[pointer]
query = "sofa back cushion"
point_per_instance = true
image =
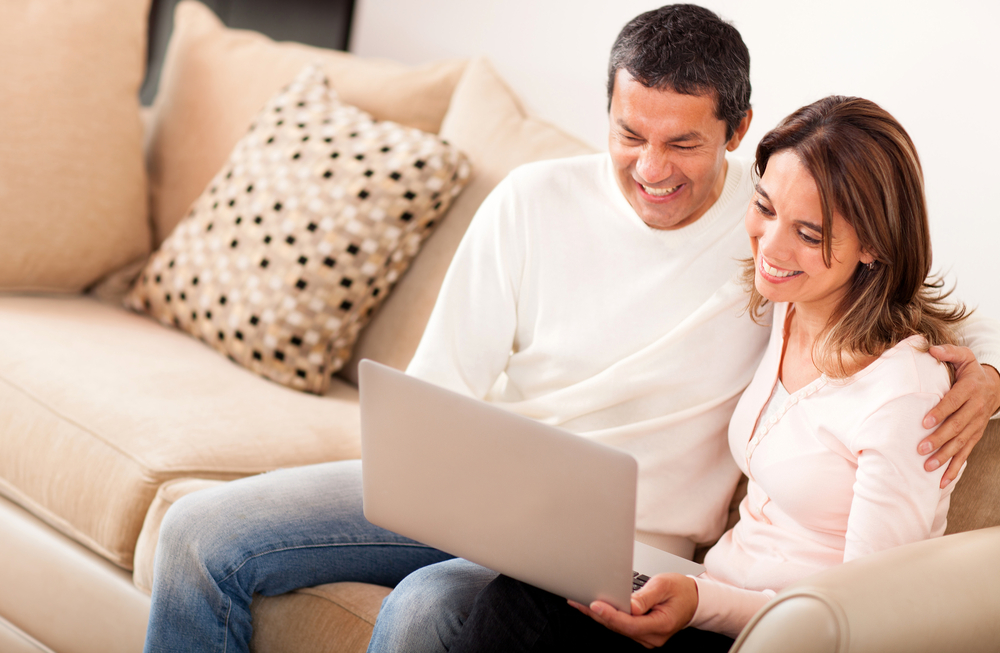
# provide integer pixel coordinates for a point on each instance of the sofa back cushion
(975, 503)
(216, 79)
(72, 186)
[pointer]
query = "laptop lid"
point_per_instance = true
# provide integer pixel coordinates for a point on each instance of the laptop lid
(528, 500)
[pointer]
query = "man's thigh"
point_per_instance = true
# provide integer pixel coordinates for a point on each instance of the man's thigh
(292, 528)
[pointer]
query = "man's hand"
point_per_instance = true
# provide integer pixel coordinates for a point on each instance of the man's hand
(663, 606)
(964, 411)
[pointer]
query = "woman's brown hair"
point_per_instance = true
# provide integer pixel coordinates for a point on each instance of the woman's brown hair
(866, 169)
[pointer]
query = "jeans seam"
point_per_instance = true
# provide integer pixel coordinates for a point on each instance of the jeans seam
(316, 546)
(225, 631)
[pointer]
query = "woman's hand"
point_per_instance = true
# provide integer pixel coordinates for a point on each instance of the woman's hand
(964, 411)
(663, 606)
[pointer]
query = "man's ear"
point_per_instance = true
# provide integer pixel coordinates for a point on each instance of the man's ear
(741, 131)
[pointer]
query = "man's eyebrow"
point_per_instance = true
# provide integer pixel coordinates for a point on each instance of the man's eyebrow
(624, 125)
(689, 136)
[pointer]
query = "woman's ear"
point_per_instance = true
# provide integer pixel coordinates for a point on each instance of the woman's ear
(866, 258)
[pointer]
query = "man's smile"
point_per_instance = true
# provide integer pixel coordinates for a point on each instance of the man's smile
(660, 192)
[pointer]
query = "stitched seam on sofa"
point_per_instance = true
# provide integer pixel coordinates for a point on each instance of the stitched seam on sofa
(315, 546)
(23, 636)
(72, 422)
(64, 527)
(149, 471)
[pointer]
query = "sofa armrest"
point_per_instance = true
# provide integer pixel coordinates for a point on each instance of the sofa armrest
(937, 595)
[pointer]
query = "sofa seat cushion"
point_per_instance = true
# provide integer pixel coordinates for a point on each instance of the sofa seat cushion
(99, 407)
(337, 616)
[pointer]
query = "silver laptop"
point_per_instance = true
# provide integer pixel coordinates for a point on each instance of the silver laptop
(511, 494)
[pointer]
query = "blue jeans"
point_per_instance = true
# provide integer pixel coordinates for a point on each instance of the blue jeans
(268, 535)
(426, 611)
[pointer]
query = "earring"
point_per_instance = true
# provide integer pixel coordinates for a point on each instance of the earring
(870, 265)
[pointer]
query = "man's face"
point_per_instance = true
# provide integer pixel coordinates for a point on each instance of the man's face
(669, 151)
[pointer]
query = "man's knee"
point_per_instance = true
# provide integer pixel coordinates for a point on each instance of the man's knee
(442, 592)
(193, 529)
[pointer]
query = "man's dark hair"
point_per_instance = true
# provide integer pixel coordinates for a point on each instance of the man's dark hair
(690, 50)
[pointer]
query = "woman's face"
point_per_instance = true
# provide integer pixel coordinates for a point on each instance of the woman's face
(785, 224)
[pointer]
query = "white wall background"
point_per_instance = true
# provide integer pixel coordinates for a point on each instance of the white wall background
(935, 66)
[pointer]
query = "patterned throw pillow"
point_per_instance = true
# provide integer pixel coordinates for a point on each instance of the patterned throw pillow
(301, 235)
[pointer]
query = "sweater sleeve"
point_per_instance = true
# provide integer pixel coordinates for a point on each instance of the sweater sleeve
(895, 500)
(725, 609)
(982, 335)
(471, 330)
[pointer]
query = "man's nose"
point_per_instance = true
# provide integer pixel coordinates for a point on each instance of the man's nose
(654, 166)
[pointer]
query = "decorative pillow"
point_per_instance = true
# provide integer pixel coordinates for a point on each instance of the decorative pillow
(215, 79)
(300, 236)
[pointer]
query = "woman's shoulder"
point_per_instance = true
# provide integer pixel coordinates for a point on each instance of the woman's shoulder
(906, 368)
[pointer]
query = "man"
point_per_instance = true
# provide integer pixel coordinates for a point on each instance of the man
(593, 293)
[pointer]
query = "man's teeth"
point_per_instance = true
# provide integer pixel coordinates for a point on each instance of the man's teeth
(659, 192)
(775, 272)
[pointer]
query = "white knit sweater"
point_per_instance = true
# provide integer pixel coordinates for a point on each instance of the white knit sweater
(562, 305)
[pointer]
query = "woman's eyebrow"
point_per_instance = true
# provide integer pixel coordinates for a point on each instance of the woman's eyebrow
(757, 187)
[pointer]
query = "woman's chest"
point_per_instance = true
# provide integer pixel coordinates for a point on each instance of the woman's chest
(803, 469)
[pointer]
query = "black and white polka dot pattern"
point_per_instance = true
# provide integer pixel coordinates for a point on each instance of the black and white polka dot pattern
(301, 235)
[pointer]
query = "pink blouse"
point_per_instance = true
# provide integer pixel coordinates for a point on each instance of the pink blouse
(834, 475)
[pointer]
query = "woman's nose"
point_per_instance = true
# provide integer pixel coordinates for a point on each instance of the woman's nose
(775, 243)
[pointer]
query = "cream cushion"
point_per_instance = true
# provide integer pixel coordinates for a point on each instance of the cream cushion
(216, 79)
(99, 407)
(340, 615)
(975, 503)
(300, 236)
(72, 185)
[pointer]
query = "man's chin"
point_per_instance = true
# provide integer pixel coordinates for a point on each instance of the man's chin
(664, 221)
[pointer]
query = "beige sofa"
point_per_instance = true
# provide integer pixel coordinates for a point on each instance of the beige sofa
(107, 417)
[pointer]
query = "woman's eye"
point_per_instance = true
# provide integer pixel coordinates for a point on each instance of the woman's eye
(809, 239)
(762, 209)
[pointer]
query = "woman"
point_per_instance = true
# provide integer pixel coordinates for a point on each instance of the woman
(828, 428)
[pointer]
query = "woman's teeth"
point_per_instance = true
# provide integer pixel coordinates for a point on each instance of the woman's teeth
(659, 192)
(775, 272)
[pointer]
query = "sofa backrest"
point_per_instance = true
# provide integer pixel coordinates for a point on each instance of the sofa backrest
(975, 503)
